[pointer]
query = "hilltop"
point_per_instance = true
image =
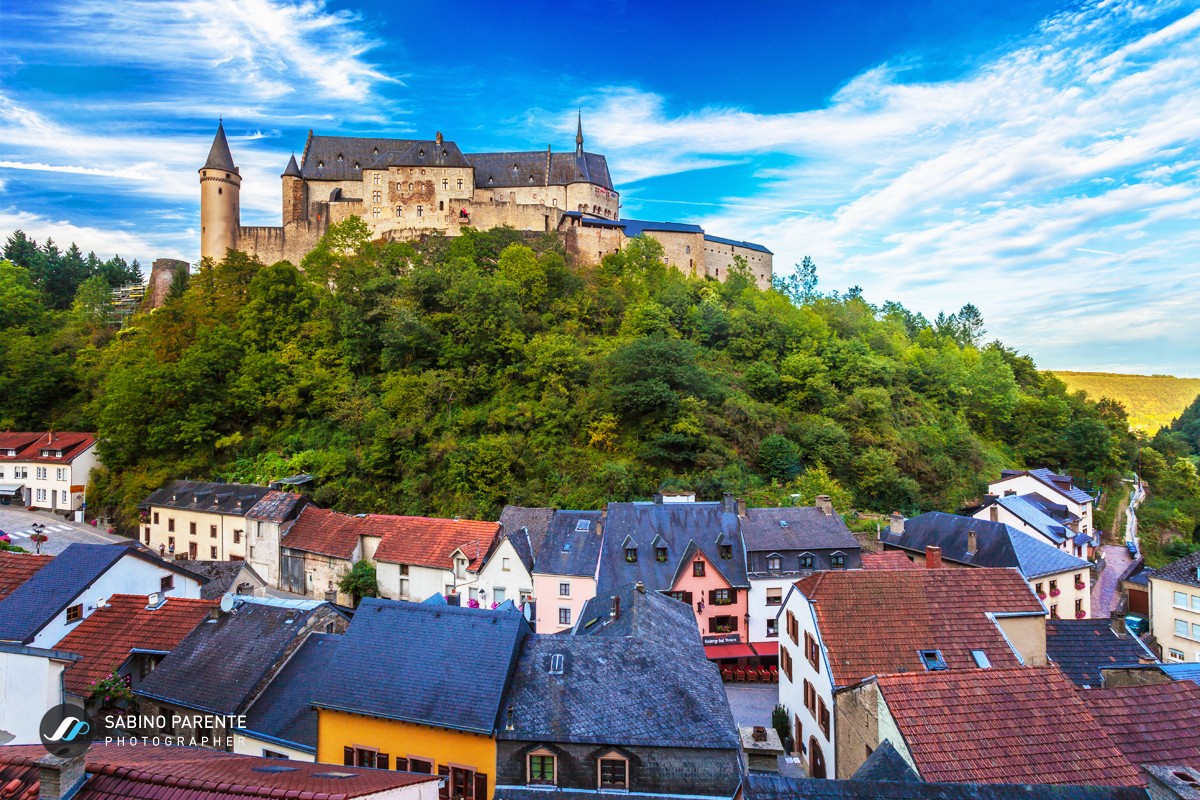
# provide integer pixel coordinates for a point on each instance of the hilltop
(1152, 401)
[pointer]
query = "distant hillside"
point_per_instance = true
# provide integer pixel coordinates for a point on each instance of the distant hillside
(1152, 400)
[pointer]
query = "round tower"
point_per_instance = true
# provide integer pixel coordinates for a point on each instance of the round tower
(220, 190)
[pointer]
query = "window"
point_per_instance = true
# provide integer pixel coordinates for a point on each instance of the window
(1078, 608)
(541, 769)
(166, 583)
(806, 562)
(1054, 588)
(399, 211)
(772, 627)
(775, 596)
(460, 180)
(660, 554)
(838, 561)
(192, 528)
(1195, 603)
(237, 537)
(192, 547)
(214, 553)
(631, 555)
(812, 651)
(1196, 631)
(785, 661)
(410, 186)
(1037, 587)
(613, 773)
(376, 178)
(155, 517)
(449, 589)
(212, 531)
(810, 698)
(688, 248)
(404, 587)
(445, 183)
(58, 474)
(64, 496)
(823, 718)
(75, 613)
(1181, 600)
(498, 595)
(419, 765)
(41, 473)
(564, 616)
(147, 534)
(564, 590)
(721, 597)
(375, 212)
(981, 659)
(726, 551)
(1054, 612)
(420, 211)
(1175, 655)
(171, 543)
(932, 659)
(774, 563)
(698, 569)
(504, 564)
(376, 197)
(583, 525)
(273, 754)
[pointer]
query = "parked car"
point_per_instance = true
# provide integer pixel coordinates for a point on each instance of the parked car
(1136, 624)
(4, 537)
(1132, 548)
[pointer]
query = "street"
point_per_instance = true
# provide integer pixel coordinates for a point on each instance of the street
(18, 524)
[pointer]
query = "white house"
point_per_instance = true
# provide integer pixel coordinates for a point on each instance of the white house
(505, 573)
(1047, 485)
(266, 524)
(47, 470)
(31, 683)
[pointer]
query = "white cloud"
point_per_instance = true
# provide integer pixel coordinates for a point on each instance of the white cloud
(103, 241)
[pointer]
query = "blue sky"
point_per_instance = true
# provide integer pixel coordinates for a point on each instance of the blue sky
(1037, 159)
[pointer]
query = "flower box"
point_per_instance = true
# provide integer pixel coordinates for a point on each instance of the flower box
(1041, 595)
(1080, 614)
(1080, 586)
(1055, 592)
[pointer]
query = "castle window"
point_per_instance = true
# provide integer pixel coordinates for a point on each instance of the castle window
(356, 165)
(688, 248)
(443, 153)
(531, 179)
(445, 183)
(420, 211)
(320, 164)
(218, 190)
(376, 151)
(460, 183)
(374, 213)
(441, 205)
(421, 154)
(554, 202)
(399, 211)
(514, 167)
(376, 196)
(489, 179)
(376, 178)
(410, 186)
(339, 158)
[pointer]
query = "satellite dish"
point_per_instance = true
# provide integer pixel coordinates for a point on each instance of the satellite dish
(226, 603)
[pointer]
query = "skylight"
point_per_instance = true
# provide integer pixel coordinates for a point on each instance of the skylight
(583, 525)
(783, 523)
(932, 659)
(981, 659)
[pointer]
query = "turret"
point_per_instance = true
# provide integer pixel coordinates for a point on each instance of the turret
(295, 205)
(220, 191)
(579, 136)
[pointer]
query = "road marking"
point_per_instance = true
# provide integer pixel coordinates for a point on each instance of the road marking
(22, 534)
(63, 527)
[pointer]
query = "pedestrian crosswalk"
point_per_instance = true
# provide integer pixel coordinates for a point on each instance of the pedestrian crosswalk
(28, 533)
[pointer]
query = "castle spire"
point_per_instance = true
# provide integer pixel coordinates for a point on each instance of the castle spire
(579, 134)
(293, 169)
(219, 156)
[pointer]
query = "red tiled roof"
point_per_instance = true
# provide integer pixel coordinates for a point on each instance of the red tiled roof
(1151, 724)
(186, 773)
(1024, 725)
(105, 638)
(874, 622)
(421, 541)
(16, 568)
(29, 444)
(888, 559)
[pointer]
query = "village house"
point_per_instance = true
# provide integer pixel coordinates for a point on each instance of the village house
(228, 661)
(839, 628)
(691, 551)
(419, 687)
(566, 568)
(31, 679)
(505, 573)
(1029, 513)
(1082, 648)
(1050, 489)
(1174, 608)
(1061, 580)
(199, 520)
(320, 546)
(423, 556)
(625, 703)
(266, 524)
(47, 469)
(228, 577)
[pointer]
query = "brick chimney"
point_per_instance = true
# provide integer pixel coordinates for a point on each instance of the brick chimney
(933, 557)
(897, 526)
(59, 778)
(972, 543)
(1118, 623)
(825, 505)
(728, 504)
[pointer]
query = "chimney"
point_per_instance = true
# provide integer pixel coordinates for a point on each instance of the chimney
(59, 778)
(972, 543)
(728, 504)
(825, 505)
(509, 723)
(616, 607)
(897, 526)
(1118, 623)
(215, 612)
(933, 557)
(658, 498)
(641, 587)
(741, 508)
(439, 137)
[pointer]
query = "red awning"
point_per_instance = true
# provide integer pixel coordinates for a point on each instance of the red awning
(766, 648)
(715, 651)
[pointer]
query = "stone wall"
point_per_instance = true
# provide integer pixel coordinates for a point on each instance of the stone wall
(718, 258)
(588, 245)
(684, 251)
(857, 722)
(161, 276)
(289, 243)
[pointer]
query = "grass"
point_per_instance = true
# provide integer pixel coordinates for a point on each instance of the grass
(1151, 400)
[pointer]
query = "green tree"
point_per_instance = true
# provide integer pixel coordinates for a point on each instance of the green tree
(779, 457)
(93, 301)
(359, 581)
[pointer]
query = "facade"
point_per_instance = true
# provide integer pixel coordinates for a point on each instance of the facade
(420, 687)
(31, 679)
(1082, 648)
(838, 629)
(505, 573)
(76, 582)
(47, 470)
(1062, 581)
(420, 557)
(199, 520)
(266, 524)
(405, 189)
(1175, 609)
(1030, 513)
(319, 546)
(1057, 489)
(566, 569)
(785, 544)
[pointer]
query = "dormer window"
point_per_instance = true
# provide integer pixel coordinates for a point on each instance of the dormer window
(806, 561)
(660, 554)
(320, 164)
(774, 563)
(556, 664)
(356, 165)
(726, 551)
(376, 151)
(421, 153)
(631, 555)
(339, 158)
(932, 660)
(838, 560)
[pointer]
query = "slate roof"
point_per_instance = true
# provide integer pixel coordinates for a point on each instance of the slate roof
(635, 227)
(235, 499)
(55, 586)
(768, 786)
(1157, 724)
(570, 552)
(888, 559)
(998, 544)
(158, 772)
(1025, 724)
(736, 243)
(232, 654)
(1037, 519)
(504, 792)
(421, 153)
(353, 149)
(29, 445)
(1081, 647)
(807, 528)
(107, 637)
(292, 169)
(874, 622)
(535, 520)
(519, 540)
(284, 709)
(1063, 484)
(1181, 571)
(641, 679)
(219, 156)
(221, 575)
(16, 568)
(885, 764)
(678, 524)
(495, 170)
(277, 507)
(439, 665)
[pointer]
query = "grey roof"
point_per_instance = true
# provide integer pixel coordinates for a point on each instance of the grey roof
(504, 792)
(1181, 571)
(736, 243)
(320, 160)
(215, 498)
(1080, 647)
(885, 764)
(534, 520)
(221, 575)
(293, 169)
(1176, 671)
(998, 544)
(530, 168)
(567, 551)
(634, 227)
(678, 524)
(55, 586)
(284, 710)
(1064, 484)
(1039, 520)
(421, 153)
(219, 156)
(768, 786)
(641, 679)
(440, 665)
(218, 665)
(807, 528)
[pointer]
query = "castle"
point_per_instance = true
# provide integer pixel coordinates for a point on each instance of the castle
(408, 188)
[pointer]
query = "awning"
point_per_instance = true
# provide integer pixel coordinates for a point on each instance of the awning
(716, 651)
(766, 648)
(11, 489)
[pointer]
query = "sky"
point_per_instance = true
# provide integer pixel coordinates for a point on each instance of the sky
(1040, 160)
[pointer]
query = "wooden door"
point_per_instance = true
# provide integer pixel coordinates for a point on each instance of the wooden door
(816, 760)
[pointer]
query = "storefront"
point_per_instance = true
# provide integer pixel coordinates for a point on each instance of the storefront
(743, 662)
(12, 494)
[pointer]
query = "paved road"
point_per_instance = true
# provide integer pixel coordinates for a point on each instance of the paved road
(752, 705)
(18, 524)
(1105, 590)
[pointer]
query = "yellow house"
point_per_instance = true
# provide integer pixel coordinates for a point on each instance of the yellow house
(200, 521)
(1175, 608)
(419, 687)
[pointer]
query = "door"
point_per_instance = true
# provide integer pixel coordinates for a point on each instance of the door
(192, 550)
(816, 760)
(291, 575)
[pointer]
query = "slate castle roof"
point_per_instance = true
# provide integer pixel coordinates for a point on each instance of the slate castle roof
(805, 528)
(677, 526)
(569, 551)
(438, 665)
(284, 712)
(235, 499)
(29, 446)
(219, 156)
(639, 679)
(55, 586)
(1157, 724)
(277, 507)
(997, 544)
(1082, 647)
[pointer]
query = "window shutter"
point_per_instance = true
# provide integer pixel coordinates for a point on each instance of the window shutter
(381, 761)
(733, 595)
(712, 597)
(480, 786)
(733, 622)
(444, 773)
(401, 764)
(348, 756)
(687, 598)
(712, 624)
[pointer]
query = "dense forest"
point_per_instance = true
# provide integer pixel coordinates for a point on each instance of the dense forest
(455, 375)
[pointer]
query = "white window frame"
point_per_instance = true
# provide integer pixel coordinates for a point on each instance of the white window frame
(1176, 655)
(561, 611)
(564, 590)
(1181, 603)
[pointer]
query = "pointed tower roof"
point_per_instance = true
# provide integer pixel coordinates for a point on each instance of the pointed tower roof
(219, 156)
(293, 169)
(579, 131)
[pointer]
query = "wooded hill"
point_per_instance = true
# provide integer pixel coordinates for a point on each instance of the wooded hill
(1151, 401)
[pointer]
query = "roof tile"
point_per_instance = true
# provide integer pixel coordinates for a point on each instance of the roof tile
(1156, 724)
